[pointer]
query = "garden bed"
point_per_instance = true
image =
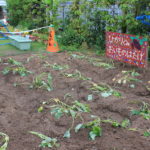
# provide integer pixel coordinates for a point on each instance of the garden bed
(74, 77)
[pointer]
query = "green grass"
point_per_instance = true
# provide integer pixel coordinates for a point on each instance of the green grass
(6, 50)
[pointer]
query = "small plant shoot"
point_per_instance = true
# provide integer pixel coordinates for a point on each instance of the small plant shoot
(42, 81)
(4, 141)
(143, 111)
(76, 75)
(46, 141)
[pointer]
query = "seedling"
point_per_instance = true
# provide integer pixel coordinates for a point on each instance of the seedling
(94, 127)
(147, 134)
(14, 62)
(15, 68)
(74, 110)
(144, 111)
(79, 56)
(42, 81)
(39, 55)
(104, 89)
(104, 65)
(22, 71)
(55, 66)
(124, 124)
(4, 142)
(127, 76)
(76, 75)
(94, 61)
(46, 141)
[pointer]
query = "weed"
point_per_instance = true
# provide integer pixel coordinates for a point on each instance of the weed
(4, 142)
(144, 111)
(46, 141)
(76, 75)
(40, 82)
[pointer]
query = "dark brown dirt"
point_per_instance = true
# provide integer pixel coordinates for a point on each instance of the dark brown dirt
(19, 115)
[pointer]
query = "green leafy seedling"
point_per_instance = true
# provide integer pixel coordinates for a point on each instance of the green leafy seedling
(75, 111)
(22, 71)
(41, 82)
(127, 76)
(147, 134)
(144, 111)
(93, 126)
(76, 75)
(14, 62)
(104, 89)
(104, 65)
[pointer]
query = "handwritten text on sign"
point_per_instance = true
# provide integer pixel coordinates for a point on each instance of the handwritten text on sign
(127, 48)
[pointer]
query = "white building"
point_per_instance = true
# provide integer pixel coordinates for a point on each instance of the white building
(2, 8)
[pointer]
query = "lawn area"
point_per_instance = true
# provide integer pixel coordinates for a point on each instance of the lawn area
(6, 50)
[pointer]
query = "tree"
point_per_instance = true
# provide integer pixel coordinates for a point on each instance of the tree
(124, 22)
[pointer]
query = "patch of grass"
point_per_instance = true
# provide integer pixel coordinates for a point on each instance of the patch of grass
(8, 50)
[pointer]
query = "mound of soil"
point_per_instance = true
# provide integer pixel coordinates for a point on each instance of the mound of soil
(19, 104)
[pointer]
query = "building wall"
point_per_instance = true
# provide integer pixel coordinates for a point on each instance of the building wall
(3, 3)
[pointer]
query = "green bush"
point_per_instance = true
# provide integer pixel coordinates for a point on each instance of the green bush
(71, 37)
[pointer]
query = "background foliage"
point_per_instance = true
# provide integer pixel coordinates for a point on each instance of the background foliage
(84, 22)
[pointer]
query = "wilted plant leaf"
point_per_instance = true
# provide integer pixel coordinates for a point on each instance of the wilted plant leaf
(78, 127)
(46, 141)
(67, 134)
(5, 140)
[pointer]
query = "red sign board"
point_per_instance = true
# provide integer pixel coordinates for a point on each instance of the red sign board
(127, 48)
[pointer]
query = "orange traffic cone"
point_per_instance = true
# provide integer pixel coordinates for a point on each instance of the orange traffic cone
(52, 42)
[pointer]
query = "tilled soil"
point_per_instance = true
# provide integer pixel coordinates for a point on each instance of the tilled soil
(19, 105)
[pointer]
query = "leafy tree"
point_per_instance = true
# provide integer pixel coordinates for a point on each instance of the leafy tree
(124, 22)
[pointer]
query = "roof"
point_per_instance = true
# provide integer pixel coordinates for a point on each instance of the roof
(3, 3)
